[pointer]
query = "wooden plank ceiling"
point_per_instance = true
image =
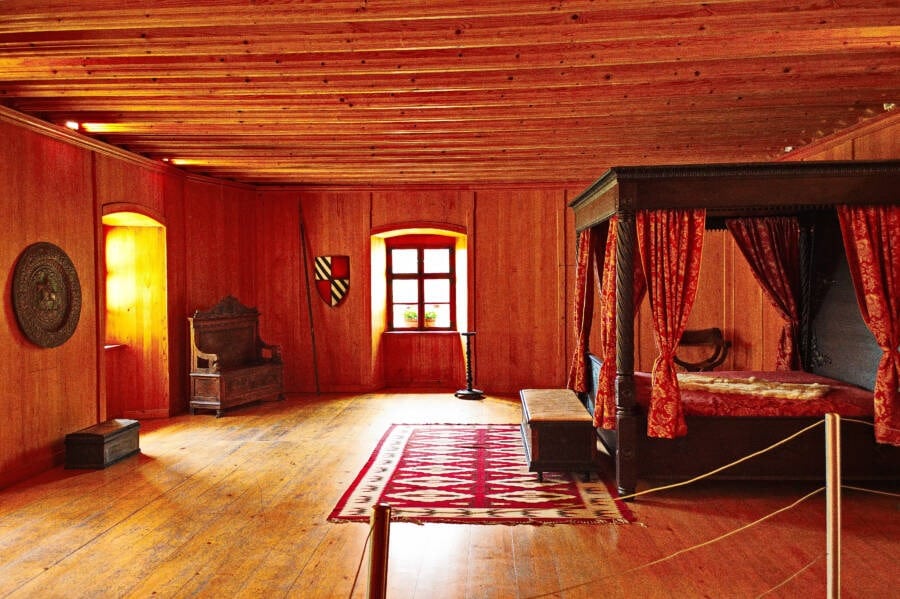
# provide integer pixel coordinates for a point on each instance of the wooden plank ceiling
(348, 92)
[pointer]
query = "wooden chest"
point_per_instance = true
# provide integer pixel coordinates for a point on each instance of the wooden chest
(557, 432)
(103, 444)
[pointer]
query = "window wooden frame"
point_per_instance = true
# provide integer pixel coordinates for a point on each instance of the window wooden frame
(420, 243)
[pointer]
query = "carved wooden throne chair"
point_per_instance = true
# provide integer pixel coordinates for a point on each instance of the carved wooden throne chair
(230, 364)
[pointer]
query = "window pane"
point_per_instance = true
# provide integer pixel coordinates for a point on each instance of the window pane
(437, 260)
(404, 316)
(437, 290)
(405, 291)
(404, 261)
(437, 315)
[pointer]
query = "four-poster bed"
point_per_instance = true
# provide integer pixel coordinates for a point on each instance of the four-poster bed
(643, 228)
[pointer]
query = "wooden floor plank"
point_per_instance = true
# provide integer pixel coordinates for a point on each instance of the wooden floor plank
(238, 506)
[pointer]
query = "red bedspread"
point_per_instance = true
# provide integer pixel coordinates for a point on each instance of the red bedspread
(843, 398)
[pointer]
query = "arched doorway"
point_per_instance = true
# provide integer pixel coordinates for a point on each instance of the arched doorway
(136, 324)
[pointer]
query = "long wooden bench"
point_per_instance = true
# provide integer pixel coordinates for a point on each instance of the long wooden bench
(558, 433)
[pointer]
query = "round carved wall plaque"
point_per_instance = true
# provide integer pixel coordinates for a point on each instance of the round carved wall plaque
(46, 294)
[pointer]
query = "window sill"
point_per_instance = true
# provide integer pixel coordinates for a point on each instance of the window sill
(417, 332)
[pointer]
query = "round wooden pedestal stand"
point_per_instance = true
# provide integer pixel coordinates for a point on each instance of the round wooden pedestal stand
(469, 392)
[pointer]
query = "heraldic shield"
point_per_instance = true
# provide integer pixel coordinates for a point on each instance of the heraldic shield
(332, 278)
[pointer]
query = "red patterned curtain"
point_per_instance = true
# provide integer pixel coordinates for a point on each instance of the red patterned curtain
(671, 242)
(605, 402)
(872, 242)
(771, 246)
(586, 270)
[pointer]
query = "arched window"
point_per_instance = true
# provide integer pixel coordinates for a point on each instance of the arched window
(421, 278)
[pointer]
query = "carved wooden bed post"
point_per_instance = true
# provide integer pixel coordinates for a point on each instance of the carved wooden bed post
(805, 243)
(627, 420)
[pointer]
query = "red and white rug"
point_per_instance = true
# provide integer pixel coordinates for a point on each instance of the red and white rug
(471, 474)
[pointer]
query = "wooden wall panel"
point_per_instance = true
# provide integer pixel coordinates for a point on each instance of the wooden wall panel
(711, 305)
(219, 252)
(879, 145)
(338, 223)
(424, 360)
(219, 258)
(569, 255)
(397, 208)
(120, 367)
(45, 393)
(755, 326)
(838, 326)
(122, 181)
(136, 185)
(281, 294)
(208, 262)
(176, 271)
(398, 355)
(842, 151)
(728, 297)
(520, 278)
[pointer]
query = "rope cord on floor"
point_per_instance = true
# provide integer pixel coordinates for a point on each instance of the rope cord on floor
(686, 549)
(710, 541)
(818, 558)
(863, 489)
(362, 559)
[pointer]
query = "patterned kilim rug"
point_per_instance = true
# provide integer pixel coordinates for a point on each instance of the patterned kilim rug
(471, 474)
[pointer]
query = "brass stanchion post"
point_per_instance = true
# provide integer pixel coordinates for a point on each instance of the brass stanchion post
(380, 522)
(833, 505)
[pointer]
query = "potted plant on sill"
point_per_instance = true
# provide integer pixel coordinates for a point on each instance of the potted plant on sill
(411, 316)
(430, 318)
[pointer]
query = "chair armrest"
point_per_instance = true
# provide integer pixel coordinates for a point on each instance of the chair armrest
(212, 361)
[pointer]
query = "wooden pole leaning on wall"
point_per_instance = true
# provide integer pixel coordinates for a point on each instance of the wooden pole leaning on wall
(833, 505)
(380, 523)
(304, 250)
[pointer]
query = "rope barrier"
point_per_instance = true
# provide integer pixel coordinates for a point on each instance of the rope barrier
(684, 550)
(362, 558)
(858, 421)
(818, 558)
(870, 424)
(872, 491)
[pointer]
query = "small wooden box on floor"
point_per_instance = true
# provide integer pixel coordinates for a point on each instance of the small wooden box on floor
(103, 444)
(557, 431)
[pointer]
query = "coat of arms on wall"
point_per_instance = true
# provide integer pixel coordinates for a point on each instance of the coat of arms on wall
(332, 278)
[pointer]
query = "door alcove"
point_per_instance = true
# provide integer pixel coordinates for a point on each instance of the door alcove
(136, 325)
